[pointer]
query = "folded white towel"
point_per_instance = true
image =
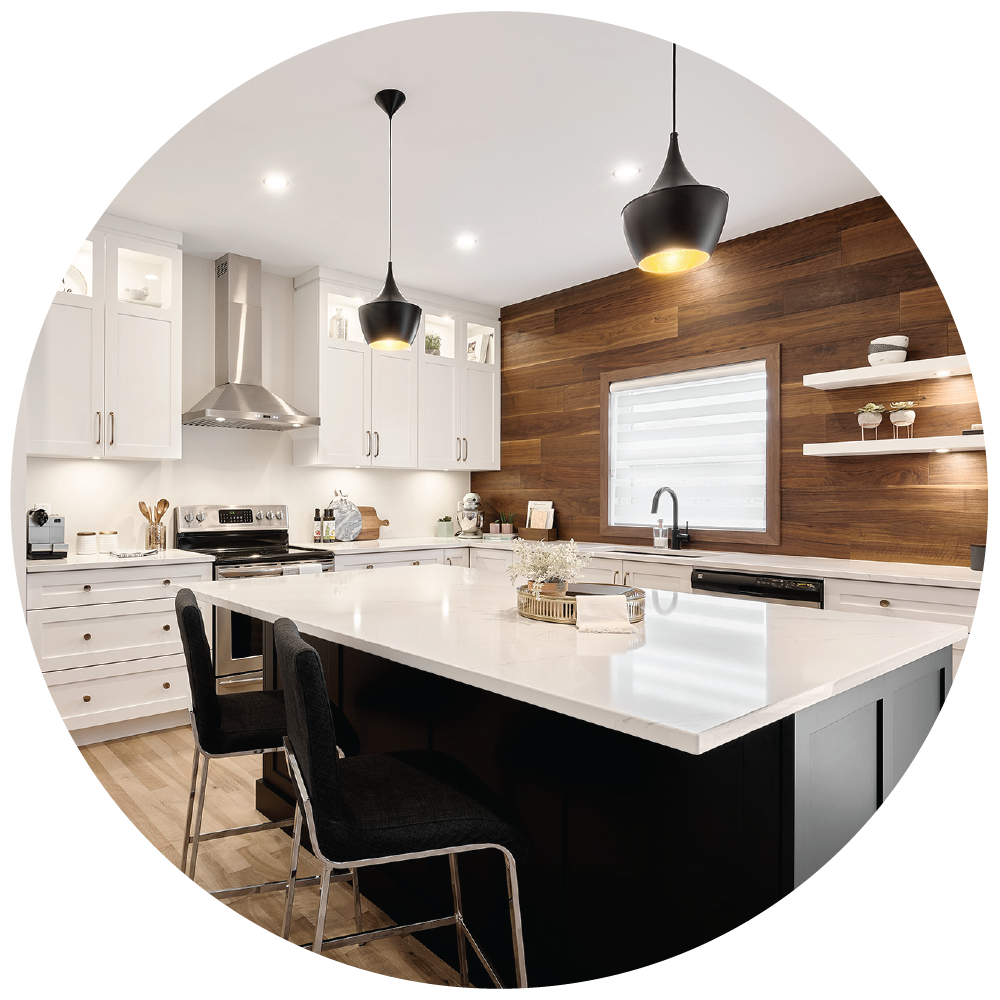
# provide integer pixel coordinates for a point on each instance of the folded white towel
(600, 613)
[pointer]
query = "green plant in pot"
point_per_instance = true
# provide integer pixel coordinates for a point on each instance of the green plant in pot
(432, 343)
(901, 414)
(870, 415)
(445, 528)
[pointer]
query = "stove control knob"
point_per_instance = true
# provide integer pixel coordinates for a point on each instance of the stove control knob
(200, 516)
(269, 515)
(260, 515)
(189, 517)
(279, 514)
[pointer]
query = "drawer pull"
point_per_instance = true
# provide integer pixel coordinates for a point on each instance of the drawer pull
(166, 628)
(166, 583)
(615, 580)
(86, 636)
(86, 697)
(369, 566)
(883, 604)
(448, 560)
(166, 684)
(416, 562)
(86, 588)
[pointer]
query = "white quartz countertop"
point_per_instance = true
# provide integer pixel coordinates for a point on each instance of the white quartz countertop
(747, 562)
(698, 672)
(74, 561)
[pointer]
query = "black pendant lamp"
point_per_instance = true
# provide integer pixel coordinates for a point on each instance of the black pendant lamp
(676, 224)
(389, 322)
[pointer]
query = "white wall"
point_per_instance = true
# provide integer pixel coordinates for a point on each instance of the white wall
(234, 466)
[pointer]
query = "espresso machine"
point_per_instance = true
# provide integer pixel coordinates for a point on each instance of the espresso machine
(46, 534)
(470, 517)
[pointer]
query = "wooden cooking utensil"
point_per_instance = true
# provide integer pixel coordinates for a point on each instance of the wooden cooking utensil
(161, 509)
(144, 510)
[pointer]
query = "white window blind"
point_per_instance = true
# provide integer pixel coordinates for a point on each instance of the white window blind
(704, 434)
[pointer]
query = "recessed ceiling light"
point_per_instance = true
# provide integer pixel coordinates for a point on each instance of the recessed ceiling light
(466, 242)
(942, 373)
(276, 182)
(624, 173)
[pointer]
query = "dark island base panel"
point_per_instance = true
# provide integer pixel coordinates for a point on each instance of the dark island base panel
(640, 852)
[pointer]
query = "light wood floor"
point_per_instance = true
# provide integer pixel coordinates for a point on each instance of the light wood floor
(148, 777)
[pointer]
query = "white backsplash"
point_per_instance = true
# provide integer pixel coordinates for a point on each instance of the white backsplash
(221, 465)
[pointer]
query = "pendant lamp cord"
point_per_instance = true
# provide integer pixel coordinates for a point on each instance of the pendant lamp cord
(390, 189)
(674, 89)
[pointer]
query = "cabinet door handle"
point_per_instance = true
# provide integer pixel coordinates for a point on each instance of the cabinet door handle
(369, 566)
(86, 637)
(166, 583)
(416, 562)
(86, 697)
(465, 449)
(98, 441)
(458, 449)
(376, 444)
(625, 579)
(166, 628)
(615, 579)
(883, 604)
(369, 451)
(111, 440)
(166, 684)
(86, 588)
(448, 560)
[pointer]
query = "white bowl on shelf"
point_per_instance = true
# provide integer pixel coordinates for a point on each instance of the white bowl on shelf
(887, 350)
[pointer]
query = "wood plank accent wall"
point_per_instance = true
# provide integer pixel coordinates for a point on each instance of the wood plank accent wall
(823, 287)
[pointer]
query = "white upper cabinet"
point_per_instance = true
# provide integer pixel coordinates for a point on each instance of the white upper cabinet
(105, 377)
(393, 409)
(459, 391)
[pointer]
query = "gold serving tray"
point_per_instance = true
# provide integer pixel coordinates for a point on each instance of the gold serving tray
(562, 610)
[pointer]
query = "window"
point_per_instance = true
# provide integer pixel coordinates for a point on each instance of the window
(706, 427)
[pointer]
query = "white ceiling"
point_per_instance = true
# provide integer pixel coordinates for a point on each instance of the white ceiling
(512, 126)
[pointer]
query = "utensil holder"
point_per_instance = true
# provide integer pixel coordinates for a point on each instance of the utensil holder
(156, 536)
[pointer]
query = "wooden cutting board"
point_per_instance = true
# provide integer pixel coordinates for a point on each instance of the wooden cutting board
(370, 525)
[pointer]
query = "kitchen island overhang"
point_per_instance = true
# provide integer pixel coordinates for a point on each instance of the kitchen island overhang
(698, 672)
(688, 775)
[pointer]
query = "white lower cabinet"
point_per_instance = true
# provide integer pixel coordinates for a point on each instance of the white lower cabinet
(108, 645)
(634, 573)
(404, 557)
(904, 600)
(494, 560)
(600, 570)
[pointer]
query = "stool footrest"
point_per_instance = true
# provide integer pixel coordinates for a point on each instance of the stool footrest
(253, 890)
(236, 830)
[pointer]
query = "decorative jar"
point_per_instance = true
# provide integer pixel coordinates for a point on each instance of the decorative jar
(156, 536)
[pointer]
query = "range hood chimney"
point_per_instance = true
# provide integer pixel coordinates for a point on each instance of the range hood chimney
(238, 399)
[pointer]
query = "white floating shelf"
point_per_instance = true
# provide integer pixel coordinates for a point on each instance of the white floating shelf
(898, 446)
(903, 371)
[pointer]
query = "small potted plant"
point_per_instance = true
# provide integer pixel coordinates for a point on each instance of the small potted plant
(444, 527)
(432, 343)
(550, 567)
(870, 415)
(507, 522)
(901, 414)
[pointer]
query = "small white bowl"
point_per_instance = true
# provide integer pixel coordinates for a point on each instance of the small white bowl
(887, 350)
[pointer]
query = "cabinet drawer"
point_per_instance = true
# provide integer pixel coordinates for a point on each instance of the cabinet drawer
(81, 637)
(603, 571)
(654, 576)
(116, 692)
(377, 560)
(495, 562)
(84, 587)
(902, 600)
(455, 557)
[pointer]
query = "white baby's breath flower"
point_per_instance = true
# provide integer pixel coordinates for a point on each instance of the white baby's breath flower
(547, 562)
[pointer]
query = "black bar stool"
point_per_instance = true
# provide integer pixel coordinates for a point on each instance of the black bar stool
(233, 725)
(379, 808)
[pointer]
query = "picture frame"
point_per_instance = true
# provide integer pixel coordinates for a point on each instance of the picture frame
(478, 347)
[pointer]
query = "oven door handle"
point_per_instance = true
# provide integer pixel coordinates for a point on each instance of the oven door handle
(236, 572)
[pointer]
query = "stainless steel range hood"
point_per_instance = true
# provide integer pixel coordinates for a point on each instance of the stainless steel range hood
(238, 399)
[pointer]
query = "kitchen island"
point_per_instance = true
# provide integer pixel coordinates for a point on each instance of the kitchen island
(674, 782)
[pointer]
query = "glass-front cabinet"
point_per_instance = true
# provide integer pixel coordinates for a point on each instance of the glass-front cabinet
(104, 379)
(435, 405)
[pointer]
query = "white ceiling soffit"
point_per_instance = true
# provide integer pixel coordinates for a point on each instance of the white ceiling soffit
(512, 126)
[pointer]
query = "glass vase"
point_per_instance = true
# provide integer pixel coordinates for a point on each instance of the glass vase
(156, 536)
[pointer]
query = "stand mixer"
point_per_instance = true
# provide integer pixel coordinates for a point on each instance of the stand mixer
(470, 517)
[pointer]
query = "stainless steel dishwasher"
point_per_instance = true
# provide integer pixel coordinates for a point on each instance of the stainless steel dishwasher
(803, 591)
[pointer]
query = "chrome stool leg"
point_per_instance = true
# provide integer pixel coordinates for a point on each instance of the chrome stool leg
(293, 869)
(190, 810)
(324, 897)
(456, 893)
(202, 785)
(357, 900)
(514, 902)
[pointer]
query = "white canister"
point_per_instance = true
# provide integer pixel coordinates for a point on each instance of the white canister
(86, 543)
(107, 541)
